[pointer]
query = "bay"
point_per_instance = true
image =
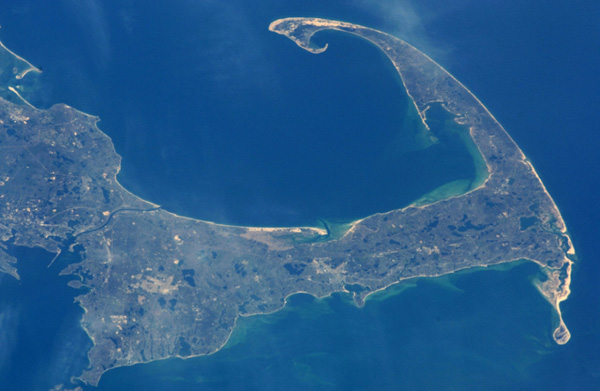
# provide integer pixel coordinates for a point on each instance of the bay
(102, 59)
(232, 123)
(42, 342)
(432, 334)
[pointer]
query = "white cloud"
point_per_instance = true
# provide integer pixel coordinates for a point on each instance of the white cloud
(403, 19)
(9, 321)
(93, 23)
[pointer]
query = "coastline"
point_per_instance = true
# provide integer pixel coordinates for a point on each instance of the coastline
(317, 230)
(13, 90)
(320, 231)
(355, 223)
(30, 68)
(330, 24)
(336, 25)
(343, 291)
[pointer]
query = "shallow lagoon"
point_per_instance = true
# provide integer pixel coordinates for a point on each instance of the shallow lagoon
(534, 115)
(237, 125)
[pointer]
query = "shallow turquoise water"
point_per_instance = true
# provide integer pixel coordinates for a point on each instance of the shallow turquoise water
(491, 332)
(450, 333)
(235, 124)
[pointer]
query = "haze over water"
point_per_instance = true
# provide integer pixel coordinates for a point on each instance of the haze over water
(245, 128)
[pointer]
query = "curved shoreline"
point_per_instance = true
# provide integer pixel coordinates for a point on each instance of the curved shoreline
(556, 290)
(30, 68)
(561, 334)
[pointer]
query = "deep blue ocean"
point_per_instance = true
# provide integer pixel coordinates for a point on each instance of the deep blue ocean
(217, 118)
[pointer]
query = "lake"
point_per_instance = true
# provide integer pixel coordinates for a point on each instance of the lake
(218, 119)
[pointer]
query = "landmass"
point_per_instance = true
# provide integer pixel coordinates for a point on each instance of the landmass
(158, 285)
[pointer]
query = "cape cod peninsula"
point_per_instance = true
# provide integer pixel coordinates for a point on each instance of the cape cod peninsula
(160, 285)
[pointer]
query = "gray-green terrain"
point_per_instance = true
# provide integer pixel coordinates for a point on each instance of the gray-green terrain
(161, 285)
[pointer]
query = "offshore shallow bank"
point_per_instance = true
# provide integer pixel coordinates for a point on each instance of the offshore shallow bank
(544, 288)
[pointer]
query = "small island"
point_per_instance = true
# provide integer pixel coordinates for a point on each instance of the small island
(159, 285)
